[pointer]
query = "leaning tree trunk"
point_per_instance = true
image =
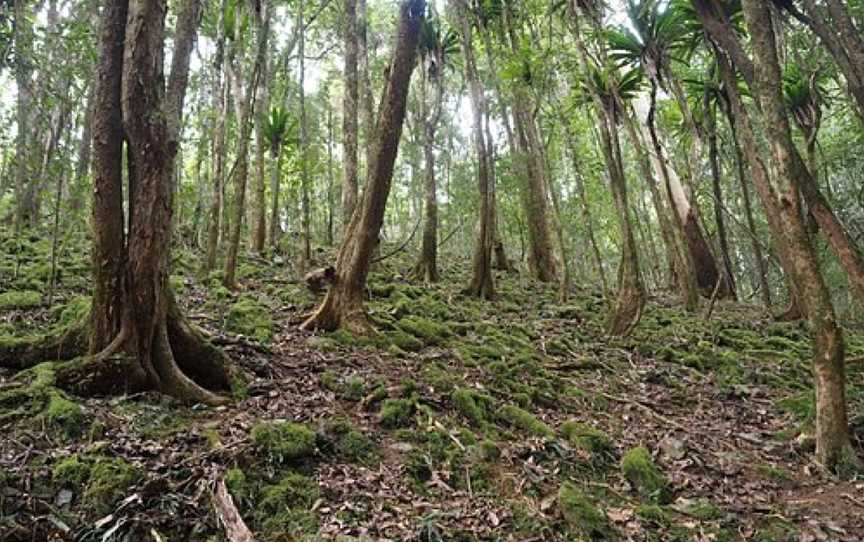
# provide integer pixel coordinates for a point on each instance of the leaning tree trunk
(833, 444)
(343, 304)
(349, 115)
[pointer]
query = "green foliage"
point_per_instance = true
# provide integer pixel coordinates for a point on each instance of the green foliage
(284, 442)
(590, 440)
(348, 441)
(646, 479)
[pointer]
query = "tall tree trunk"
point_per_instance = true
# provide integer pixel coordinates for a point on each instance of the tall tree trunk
(761, 267)
(306, 256)
(343, 304)
(108, 255)
(364, 90)
(349, 115)
(275, 183)
(427, 266)
(220, 107)
(244, 104)
(482, 284)
(710, 122)
(259, 226)
(330, 176)
(82, 164)
(22, 36)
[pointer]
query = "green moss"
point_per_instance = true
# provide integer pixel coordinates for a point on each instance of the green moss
(235, 481)
(703, 510)
(653, 513)
(525, 421)
(20, 299)
(472, 404)
(284, 442)
(589, 439)
(802, 405)
(776, 530)
(402, 340)
(64, 414)
(71, 471)
(249, 317)
(428, 331)
(582, 515)
(639, 469)
(396, 413)
(439, 377)
(284, 507)
(110, 478)
(348, 441)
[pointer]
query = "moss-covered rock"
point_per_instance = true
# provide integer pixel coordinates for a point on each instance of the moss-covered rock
(525, 421)
(582, 515)
(397, 413)
(20, 299)
(646, 479)
(284, 442)
(109, 480)
(348, 441)
(249, 317)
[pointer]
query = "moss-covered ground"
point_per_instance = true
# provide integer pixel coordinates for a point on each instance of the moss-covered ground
(461, 420)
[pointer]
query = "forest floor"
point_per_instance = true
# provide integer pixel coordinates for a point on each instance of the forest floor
(464, 420)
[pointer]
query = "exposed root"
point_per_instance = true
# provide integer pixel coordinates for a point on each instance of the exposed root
(58, 345)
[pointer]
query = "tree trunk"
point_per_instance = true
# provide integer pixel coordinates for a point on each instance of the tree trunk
(427, 266)
(713, 158)
(349, 115)
(220, 105)
(244, 104)
(364, 90)
(22, 37)
(329, 176)
(482, 284)
(343, 304)
(306, 255)
(259, 226)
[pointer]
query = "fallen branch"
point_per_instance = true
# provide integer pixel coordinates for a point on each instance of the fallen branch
(401, 247)
(235, 529)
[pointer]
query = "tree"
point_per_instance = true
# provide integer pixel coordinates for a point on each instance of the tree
(275, 129)
(349, 114)
(778, 191)
(244, 102)
(482, 284)
(436, 47)
(343, 304)
(133, 311)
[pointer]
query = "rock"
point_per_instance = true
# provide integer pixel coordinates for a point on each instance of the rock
(673, 449)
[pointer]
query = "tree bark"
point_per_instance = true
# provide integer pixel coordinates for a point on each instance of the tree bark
(349, 115)
(482, 284)
(710, 122)
(22, 36)
(244, 104)
(220, 105)
(259, 226)
(343, 304)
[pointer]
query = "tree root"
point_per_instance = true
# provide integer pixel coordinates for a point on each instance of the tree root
(184, 364)
(57, 345)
